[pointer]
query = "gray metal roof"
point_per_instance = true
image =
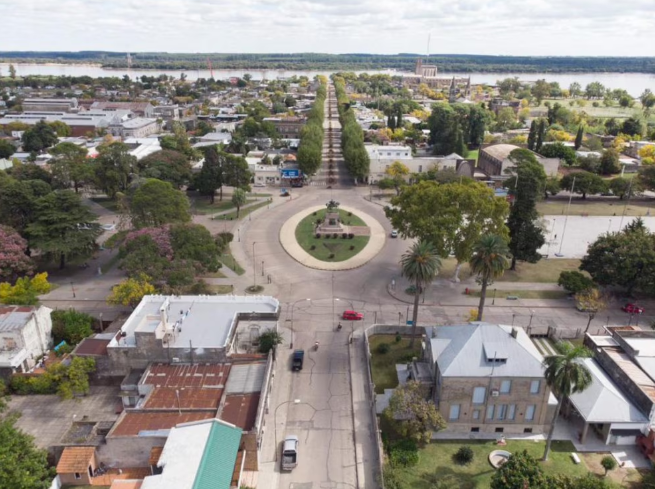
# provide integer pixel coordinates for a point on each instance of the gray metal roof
(244, 379)
(468, 351)
(603, 401)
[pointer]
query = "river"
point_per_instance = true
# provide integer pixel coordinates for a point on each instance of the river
(634, 83)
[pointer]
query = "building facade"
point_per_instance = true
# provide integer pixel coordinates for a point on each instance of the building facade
(494, 160)
(25, 335)
(50, 104)
(287, 127)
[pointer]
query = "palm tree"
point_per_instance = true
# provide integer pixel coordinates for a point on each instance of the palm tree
(565, 375)
(420, 265)
(489, 261)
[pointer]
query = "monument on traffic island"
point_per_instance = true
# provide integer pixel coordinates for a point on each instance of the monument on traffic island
(332, 222)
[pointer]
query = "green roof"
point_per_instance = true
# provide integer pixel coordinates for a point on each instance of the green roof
(218, 459)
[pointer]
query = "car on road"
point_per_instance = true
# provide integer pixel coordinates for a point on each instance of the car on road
(631, 308)
(352, 315)
(394, 233)
(297, 360)
(259, 184)
(289, 453)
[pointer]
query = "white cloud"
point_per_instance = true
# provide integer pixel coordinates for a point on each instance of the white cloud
(519, 27)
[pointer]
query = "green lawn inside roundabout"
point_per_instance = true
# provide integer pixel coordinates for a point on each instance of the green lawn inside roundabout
(330, 249)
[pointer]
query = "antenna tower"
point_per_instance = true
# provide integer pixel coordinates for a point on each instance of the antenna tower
(129, 61)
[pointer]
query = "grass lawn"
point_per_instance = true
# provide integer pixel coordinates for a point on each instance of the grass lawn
(436, 463)
(600, 111)
(217, 274)
(202, 205)
(448, 266)
(623, 477)
(232, 216)
(544, 270)
(228, 260)
(324, 247)
(523, 294)
(107, 203)
(612, 207)
(221, 289)
(383, 366)
(473, 154)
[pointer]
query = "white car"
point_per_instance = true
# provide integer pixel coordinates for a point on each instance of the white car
(259, 184)
(394, 233)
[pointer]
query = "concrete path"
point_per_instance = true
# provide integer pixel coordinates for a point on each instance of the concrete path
(291, 246)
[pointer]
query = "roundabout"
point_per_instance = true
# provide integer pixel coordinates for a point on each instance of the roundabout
(346, 238)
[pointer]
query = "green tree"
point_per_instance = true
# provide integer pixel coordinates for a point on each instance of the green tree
(532, 135)
(23, 464)
(540, 90)
(609, 463)
(25, 291)
(18, 202)
(574, 282)
(579, 137)
(114, 168)
(39, 137)
(552, 187)
(212, 175)
(6, 149)
(622, 187)
(63, 227)
(420, 265)
(505, 119)
(194, 242)
(625, 259)
(237, 173)
(167, 165)
(61, 129)
(130, 291)
(525, 236)
(609, 162)
(459, 214)
(269, 339)
(646, 179)
(489, 261)
(155, 203)
(584, 183)
(203, 128)
(415, 416)
(69, 166)
(398, 174)
(559, 150)
(595, 90)
(633, 127)
(12, 72)
(521, 471)
(565, 374)
(541, 134)
(575, 89)
(70, 326)
(239, 198)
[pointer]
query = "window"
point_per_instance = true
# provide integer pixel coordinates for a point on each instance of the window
(502, 411)
(529, 412)
(420, 168)
(454, 412)
(476, 414)
(527, 430)
(511, 414)
(479, 395)
(500, 430)
(78, 475)
(505, 386)
(475, 429)
(490, 411)
(534, 386)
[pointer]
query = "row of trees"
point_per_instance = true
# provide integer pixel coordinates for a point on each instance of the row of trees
(352, 136)
(310, 150)
(455, 126)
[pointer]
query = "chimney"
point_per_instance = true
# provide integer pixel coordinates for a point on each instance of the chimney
(514, 333)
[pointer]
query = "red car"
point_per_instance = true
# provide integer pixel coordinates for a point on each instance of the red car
(352, 315)
(631, 308)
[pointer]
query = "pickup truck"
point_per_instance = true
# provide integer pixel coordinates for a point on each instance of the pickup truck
(290, 453)
(297, 361)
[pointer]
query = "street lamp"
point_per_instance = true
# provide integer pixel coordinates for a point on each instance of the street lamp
(493, 302)
(73, 289)
(292, 330)
(295, 401)
(254, 267)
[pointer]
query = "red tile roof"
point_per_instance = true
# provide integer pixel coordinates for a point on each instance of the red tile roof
(241, 410)
(203, 375)
(75, 459)
(186, 398)
(134, 422)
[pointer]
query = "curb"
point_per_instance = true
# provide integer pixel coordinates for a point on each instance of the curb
(358, 462)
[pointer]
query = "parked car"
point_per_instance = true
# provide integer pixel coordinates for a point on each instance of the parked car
(352, 315)
(297, 361)
(394, 233)
(290, 453)
(631, 308)
(259, 184)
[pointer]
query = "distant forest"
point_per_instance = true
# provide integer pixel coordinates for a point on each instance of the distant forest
(317, 61)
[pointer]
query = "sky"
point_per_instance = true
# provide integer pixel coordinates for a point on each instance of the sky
(494, 27)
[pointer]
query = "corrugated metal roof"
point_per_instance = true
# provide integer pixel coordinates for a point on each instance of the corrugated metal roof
(461, 351)
(217, 464)
(14, 317)
(246, 378)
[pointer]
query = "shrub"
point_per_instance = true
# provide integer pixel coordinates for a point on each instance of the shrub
(318, 235)
(574, 282)
(608, 462)
(351, 235)
(404, 453)
(313, 213)
(335, 235)
(352, 247)
(326, 235)
(312, 247)
(268, 340)
(331, 255)
(398, 338)
(350, 213)
(70, 326)
(383, 348)
(463, 456)
(344, 235)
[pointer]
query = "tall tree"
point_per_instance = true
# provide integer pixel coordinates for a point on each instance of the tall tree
(69, 166)
(541, 134)
(521, 471)
(114, 168)
(420, 265)
(239, 198)
(156, 203)
(6, 149)
(609, 162)
(578, 137)
(14, 261)
(489, 261)
(63, 227)
(526, 185)
(532, 135)
(39, 137)
(167, 165)
(237, 173)
(398, 173)
(23, 464)
(585, 183)
(18, 202)
(565, 374)
(212, 175)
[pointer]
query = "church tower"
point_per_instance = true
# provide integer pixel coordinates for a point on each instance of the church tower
(452, 92)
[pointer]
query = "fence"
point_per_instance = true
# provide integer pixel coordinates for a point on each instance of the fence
(370, 331)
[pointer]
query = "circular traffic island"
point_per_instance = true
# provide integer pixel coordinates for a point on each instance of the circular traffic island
(332, 237)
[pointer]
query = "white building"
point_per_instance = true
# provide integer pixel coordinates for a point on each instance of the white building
(138, 127)
(382, 157)
(25, 335)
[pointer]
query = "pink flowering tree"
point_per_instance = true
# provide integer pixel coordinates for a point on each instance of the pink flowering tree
(161, 237)
(14, 262)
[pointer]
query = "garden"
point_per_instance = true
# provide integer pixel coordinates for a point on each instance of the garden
(332, 247)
